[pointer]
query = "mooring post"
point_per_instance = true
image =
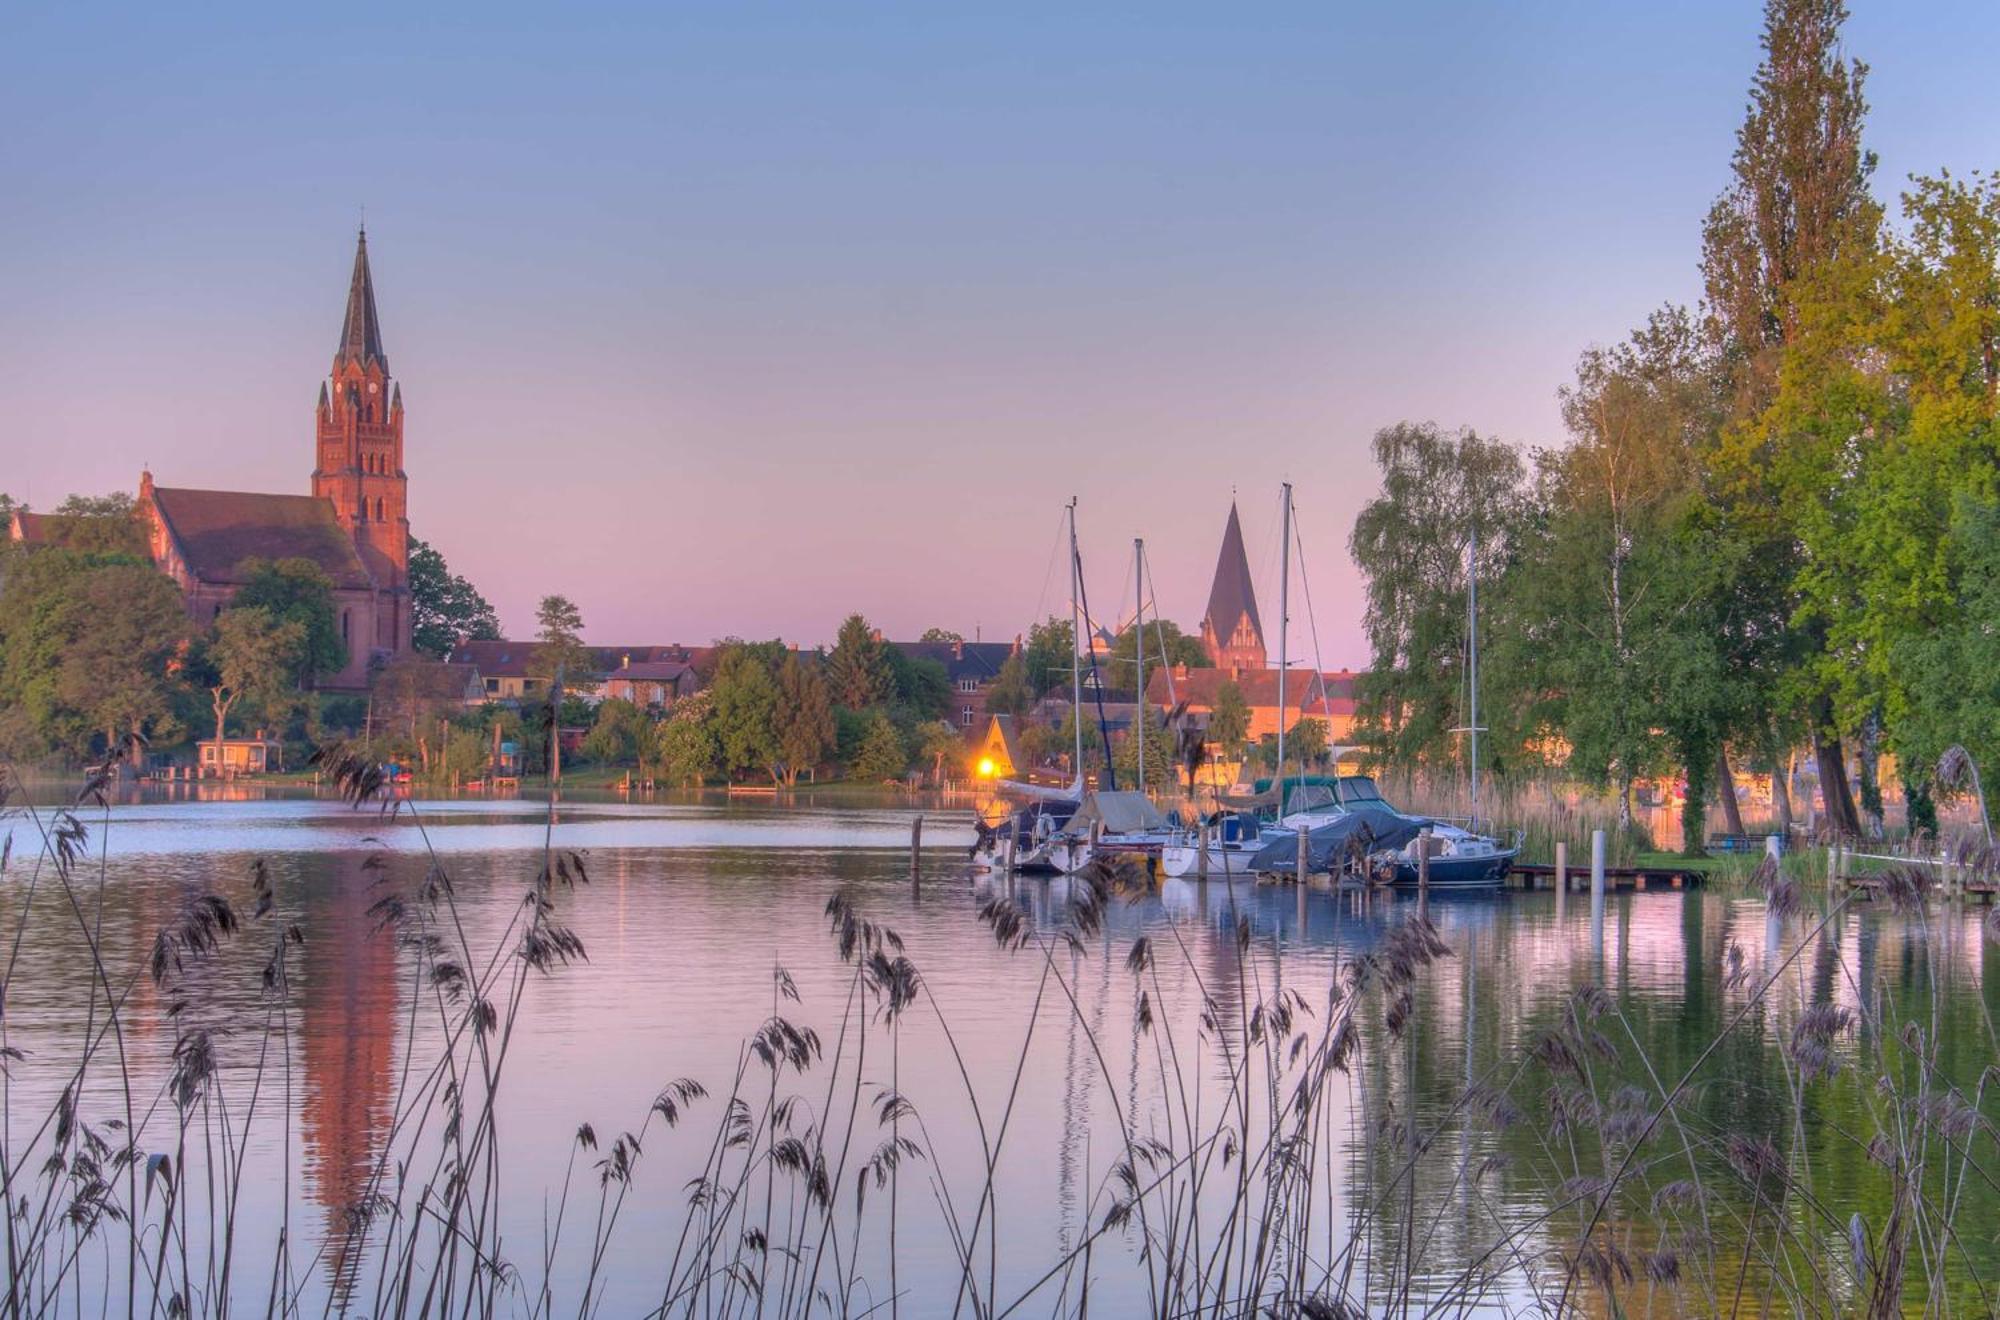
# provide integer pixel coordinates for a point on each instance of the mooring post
(916, 846)
(1562, 878)
(1014, 847)
(1597, 891)
(1201, 852)
(1302, 854)
(1424, 875)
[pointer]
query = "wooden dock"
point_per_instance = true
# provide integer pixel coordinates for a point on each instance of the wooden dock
(1542, 875)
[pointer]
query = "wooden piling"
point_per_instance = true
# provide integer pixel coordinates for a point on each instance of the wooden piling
(1304, 848)
(1014, 848)
(1201, 855)
(1597, 891)
(1562, 878)
(1424, 875)
(916, 847)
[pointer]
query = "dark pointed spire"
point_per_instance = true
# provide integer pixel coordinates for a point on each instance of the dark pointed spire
(1233, 595)
(361, 332)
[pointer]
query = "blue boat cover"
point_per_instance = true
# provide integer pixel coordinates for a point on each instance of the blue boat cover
(1376, 828)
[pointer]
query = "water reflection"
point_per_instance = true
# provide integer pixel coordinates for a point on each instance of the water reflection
(683, 934)
(349, 981)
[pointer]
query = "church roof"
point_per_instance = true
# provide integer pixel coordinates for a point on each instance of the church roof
(361, 331)
(1232, 596)
(217, 530)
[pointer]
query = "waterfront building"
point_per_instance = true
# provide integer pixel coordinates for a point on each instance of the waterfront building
(971, 668)
(1231, 631)
(354, 524)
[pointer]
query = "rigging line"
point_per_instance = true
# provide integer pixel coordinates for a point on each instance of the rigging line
(1048, 573)
(1103, 733)
(1159, 632)
(1312, 622)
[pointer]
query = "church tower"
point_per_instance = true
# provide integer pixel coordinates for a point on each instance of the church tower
(1231, 632)
(360, 455)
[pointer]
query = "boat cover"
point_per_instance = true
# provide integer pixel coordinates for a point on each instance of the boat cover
(1119, 813)
(1327, 844)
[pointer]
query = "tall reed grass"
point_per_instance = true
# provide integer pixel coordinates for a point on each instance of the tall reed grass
(1318, 1186)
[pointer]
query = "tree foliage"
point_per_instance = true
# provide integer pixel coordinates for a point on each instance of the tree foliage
(1441, 491)
(883, 754)
(297, 591)
(857, 670)
(445, 609)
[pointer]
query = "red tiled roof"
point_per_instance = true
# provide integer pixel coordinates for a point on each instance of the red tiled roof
(31, 528)
(217, 530)
(652, 671)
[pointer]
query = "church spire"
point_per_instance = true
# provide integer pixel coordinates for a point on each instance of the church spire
(361, 332)
(1231, 631)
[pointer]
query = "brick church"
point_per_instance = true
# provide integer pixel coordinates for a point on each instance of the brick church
(355, 525)
(1231, 632)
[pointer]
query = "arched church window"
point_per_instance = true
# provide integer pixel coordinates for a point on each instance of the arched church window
(378, 508)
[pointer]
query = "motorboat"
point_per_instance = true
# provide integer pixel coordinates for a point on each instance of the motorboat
(1234, 838)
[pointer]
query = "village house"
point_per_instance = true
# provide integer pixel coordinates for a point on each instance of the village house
(971, 667)
(654, 677)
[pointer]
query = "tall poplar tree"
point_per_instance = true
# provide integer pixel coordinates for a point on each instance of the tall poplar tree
(1776, 244)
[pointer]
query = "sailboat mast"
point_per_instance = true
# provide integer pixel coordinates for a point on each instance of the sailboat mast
(1076, 638)
(1284, 630)
(1139, 650)
(1472, 665)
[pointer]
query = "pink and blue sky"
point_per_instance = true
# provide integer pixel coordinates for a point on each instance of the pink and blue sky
(734, 319)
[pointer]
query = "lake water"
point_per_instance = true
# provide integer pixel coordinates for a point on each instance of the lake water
(691, 911)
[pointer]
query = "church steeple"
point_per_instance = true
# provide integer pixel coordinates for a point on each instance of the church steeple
(359, 425)
(361, 332)
(1231, 632)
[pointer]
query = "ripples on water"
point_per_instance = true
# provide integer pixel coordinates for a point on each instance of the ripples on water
(690, 909)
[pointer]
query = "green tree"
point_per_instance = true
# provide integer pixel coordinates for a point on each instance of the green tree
(445, 609)
(1229, 720)
(940, 746)
(918, 687)
(1609, 635)
(1785, 255)
(102, 524)
(561, 663)
(746, 713)
(1050, 655)
(685, 747)
(297, 591)
(1162, 774)
(1163, 638)
(941, 635)
(805, 730)
(619, 735)
(883, 754)
(118, 667)
(1305, 742)
(253, 654)
(1440, 493)
(1009, 693)
(857, 671)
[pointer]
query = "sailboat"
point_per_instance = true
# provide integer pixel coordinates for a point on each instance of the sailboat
(1037, 838)
(1461, 858)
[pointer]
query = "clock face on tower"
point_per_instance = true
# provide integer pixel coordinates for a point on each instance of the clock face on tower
(373, 387)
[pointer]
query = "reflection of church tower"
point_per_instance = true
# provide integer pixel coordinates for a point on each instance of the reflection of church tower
(347, 1034)
(359, 456)
(1231, 633)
